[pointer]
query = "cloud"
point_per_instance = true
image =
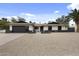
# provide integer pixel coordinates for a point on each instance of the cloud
(39, 17)
(56, 11)
(28, 14)
(73, 6)
(10, 17)
(14, 16)
(43, 18)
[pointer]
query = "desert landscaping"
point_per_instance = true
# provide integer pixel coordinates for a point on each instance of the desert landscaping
(37, 44)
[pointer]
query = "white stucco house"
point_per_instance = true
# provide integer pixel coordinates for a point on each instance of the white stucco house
(29, 27)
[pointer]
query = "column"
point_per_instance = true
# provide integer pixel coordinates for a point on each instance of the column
(45, 28)
(54, 28)
(10, 27)
(30, 28)
(64, 28)
(39, 29)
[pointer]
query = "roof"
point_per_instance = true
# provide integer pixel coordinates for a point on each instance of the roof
(50, 24)
(27, 24)
(20, 24)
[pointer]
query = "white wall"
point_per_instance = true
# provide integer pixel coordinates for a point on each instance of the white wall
(72, 24)
(10, 28)
(54, 27)
(64, 28)
(2, 31)
(45, 28)
(31, 28)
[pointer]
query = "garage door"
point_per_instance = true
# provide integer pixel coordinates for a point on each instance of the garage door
(18, 29)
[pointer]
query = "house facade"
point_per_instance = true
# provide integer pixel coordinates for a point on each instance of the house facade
(29, 27)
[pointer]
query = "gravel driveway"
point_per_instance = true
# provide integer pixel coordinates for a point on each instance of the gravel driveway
(52, 44)
(6, 37)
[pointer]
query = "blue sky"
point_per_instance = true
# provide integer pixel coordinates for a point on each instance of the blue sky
(38, 12)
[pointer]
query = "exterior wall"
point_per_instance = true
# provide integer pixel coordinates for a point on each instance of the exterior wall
(45, 28)
(2, 31)
(39, 29)
(54, 28)
(31, 28)
(64, 28)
(48, 27)
(10, 27)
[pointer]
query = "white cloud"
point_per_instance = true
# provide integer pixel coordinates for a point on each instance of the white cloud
(56, 11)
(73, 6)
(43, 18)
(28, 14)
(15, 17)
(72, 23)
(51, 19)
(10, 17)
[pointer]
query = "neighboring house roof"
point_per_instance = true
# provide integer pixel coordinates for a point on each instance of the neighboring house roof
(53, 23)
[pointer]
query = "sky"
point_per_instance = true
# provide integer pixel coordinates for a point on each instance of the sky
(36, 12)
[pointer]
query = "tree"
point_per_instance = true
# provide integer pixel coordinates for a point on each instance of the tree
(63, 20)
(4, 19)
(13, 20)
(67, 19)
(30, 21)
(59, 20)
(3, 24)
(21, 20)
(74, 14)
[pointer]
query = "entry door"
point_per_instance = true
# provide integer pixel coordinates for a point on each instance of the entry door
(41, 28)
(59, 27)
(50, 28)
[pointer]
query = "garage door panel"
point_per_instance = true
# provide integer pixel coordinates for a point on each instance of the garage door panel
(19, 29)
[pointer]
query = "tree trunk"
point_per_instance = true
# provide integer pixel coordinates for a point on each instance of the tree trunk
(77, 27)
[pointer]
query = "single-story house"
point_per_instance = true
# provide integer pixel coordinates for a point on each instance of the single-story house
(29, 27)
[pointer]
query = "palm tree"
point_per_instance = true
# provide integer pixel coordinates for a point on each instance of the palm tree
(75, 16)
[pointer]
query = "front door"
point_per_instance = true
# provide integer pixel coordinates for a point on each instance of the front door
(41, 28)
(50, 28)
(59, 28)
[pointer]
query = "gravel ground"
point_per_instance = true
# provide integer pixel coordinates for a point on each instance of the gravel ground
(6, 37)
(52, 44)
